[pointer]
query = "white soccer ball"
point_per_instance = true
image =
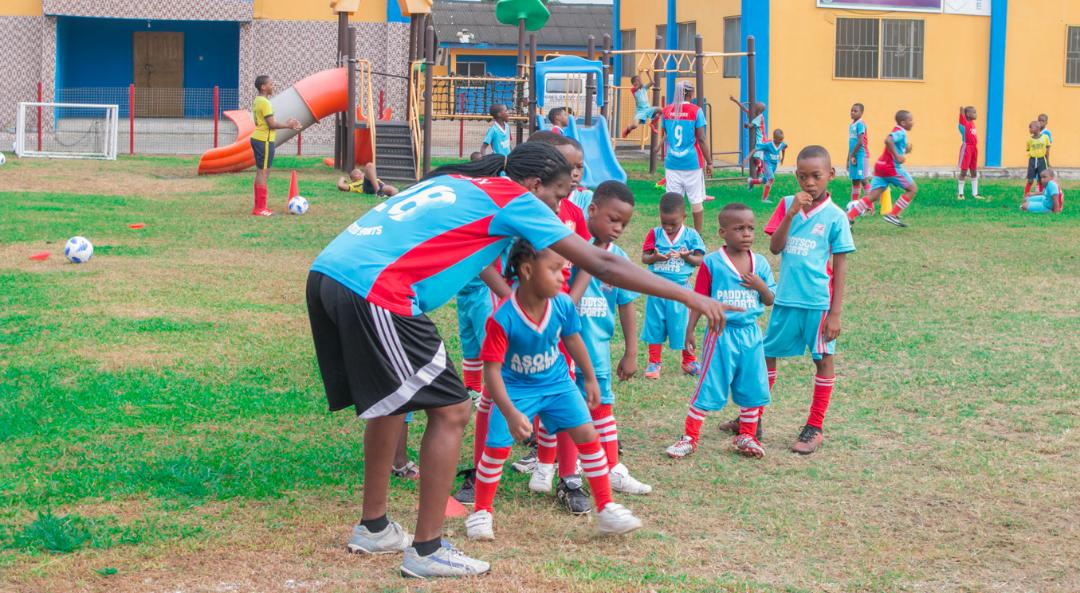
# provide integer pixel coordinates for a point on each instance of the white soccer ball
(298, 205)
(3, 159)
(78, 250)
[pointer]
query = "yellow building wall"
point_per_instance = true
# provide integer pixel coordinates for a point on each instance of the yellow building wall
(316, 10)
(1035, 81)
(642, 16)
(20, 8)
(812, 106)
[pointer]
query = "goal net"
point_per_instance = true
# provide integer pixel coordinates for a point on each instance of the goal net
(66, 130)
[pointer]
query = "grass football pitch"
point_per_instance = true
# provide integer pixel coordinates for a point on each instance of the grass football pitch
(163, 426)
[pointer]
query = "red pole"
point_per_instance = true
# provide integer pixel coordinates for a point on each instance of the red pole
(461, 129)
(131, 119)
(216, 108)
(40, 98)
(300, 144)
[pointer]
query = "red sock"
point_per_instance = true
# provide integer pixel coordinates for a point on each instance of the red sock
(900, 204)
(822, 392)
(1027, 188)
(748, 419)
(566, 453)
(483, 413)
(488, 474)
(260, 198)
(604, 421)
(1041, 186)
(472, 369)
(694, 419)
(688, 357)
(772, 379)
(545, 445)
(765, 194)
(595, 467)
(855, 194)
(656, 352)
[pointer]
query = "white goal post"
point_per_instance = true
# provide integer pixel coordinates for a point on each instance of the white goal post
(67, 130)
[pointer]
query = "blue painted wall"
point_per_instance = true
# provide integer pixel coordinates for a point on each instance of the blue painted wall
(995, 92)
(98, 53)
(393, 13)
(755, 21)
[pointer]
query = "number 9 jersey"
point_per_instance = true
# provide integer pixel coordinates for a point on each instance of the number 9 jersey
(680, 129)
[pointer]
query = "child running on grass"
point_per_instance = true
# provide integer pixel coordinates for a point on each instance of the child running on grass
(559, 119)
(365, 180)
(1051, 200)
(1038, 149)
(671, 251)
(498, 137)
(734, 360)
(809, 230)
(858, 153)
(609, 214)
(262, 141)
(969, 153)
(644, 111)
(773, 154)
(527, 376)
(889, 170)
(687, 150)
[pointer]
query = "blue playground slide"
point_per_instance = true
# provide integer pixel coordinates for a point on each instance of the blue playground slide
(600, 162)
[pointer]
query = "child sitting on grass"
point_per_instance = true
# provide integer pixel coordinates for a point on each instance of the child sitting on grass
(1051, 200)
(734, 360)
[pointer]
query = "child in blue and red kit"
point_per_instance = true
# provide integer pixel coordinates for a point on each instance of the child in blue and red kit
(809, 230)
(671, 251)
(734, 360)
(526, 375)
(475, 302)
(772, 154)
(609, 214)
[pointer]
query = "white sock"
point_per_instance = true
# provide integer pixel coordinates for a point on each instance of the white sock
(961, 190)
(975, 186)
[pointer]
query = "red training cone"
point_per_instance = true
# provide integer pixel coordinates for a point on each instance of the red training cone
(455, 508)
(293, 189)
(44, 255)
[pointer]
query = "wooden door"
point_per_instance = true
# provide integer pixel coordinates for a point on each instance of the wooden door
(158, 58)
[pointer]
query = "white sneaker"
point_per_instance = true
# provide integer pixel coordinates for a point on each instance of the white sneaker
(542, 476)
(447, 561)
(682, 448)
(388, 541)
(480, 525)
(622, 481)
(616, 519)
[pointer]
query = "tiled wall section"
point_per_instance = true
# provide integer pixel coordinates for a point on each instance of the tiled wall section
(20, 69)
(180, 10)
(291, 50)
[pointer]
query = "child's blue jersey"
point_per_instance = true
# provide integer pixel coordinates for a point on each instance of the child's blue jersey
(857, 138)
(499, 138)
(582, 197)
(771, 152)
(681, 138)
(598, 309)
(415, 251)
(720, 280)
(1051, 191)
(529, 349)
(675, 269)
(899, 138)
(641, 99)
(805, 272)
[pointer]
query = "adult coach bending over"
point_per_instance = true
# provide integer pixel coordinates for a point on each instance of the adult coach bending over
(368, 294)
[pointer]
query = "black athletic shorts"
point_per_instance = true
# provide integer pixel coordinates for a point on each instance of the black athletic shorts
(382, 363)
(264, 153)
(1035, 167)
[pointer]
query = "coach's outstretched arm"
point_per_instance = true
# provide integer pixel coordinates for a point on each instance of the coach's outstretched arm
(618, 271)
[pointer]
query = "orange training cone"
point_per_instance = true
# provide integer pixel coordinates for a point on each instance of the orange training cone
(293, 189)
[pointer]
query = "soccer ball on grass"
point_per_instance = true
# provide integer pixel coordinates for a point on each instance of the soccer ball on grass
(78, 250)
(298, 205)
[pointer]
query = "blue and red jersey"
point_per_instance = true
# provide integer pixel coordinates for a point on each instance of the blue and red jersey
(415, 251)
(858, 139)
(720, 280)
(813, 238)
(529, 348)
(886, 165)
(680, 133)
(966, 127)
